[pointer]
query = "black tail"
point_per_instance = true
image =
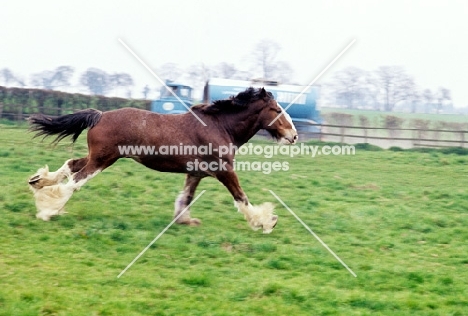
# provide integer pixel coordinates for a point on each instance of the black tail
(66, 125)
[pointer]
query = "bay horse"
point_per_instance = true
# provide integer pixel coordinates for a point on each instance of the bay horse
(229, 123)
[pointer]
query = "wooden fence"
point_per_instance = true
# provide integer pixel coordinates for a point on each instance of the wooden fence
(388, 137)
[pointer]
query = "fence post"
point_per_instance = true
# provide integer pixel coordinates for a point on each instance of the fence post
(320, 127)
(19, 116)
(364, 123)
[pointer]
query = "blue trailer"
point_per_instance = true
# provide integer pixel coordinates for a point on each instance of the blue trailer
(304, 109)
(169, 101)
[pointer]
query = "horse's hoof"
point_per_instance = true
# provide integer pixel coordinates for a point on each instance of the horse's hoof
(34, 179)
(269, 228)
(44, 217)
(189, 222)
(195, 222)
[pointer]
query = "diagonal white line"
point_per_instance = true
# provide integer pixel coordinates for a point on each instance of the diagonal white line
(313, 234)
(313, 81)
(160, 80)
(160, 234)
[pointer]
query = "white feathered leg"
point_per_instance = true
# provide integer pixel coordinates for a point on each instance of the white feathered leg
(258, 216)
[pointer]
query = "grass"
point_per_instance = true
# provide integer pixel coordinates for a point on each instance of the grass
(397, 218)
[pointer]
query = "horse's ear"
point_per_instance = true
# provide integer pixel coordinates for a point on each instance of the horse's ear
(263, 93)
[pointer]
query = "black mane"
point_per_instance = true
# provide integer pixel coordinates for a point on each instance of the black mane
(236, 103)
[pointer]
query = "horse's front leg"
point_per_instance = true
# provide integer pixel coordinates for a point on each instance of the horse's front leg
(184, 199)
(260, 216)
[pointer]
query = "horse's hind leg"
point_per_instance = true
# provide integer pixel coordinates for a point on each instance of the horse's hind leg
(184, 199)
(51, 200)
(77, 164)
(44, 178)
(260, 216)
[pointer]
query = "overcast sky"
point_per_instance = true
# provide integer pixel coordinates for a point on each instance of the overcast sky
(428, 38)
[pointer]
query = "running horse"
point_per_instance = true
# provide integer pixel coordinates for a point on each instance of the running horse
(229, 124)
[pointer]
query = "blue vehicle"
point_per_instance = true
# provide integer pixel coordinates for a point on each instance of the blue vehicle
(304, 110)
(168, 103)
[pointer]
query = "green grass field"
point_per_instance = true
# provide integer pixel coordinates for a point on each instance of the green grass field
(397, 218)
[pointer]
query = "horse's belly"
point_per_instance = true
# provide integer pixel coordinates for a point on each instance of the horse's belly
(164, 165)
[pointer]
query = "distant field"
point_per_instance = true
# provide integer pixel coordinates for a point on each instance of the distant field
(375, 117)
(398, 219)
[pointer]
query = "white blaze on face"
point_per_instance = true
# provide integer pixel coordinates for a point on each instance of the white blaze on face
(286, 116)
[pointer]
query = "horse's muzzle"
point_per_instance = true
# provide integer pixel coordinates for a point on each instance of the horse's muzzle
(289, 139)
(293, 140)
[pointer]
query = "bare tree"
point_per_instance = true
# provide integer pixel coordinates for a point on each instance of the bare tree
(428, 98)
(198, 74)
(393, 83)
(225, 70)
(415, 99)
(265, 63)
(349, 86)
(146, 91)
(60, 77)
(264, 57)
(283, 72)
(9, 78)
(443, 96)
(409, 92)
(371, 91)
(170, 71)
(97, 81)
(121, 80)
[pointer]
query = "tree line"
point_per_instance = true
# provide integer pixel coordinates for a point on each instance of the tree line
(263, 63)
(96, 81)
(262, 60)
(386, 88)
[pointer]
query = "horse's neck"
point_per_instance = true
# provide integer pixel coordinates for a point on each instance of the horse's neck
(242, 127)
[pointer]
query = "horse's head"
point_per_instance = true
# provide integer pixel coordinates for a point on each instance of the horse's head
(256, 109)
(277, 122)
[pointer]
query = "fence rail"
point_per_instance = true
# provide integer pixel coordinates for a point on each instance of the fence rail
(388, 137)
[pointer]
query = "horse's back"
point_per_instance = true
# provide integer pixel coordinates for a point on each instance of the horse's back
(131, 126)
(136, 119)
